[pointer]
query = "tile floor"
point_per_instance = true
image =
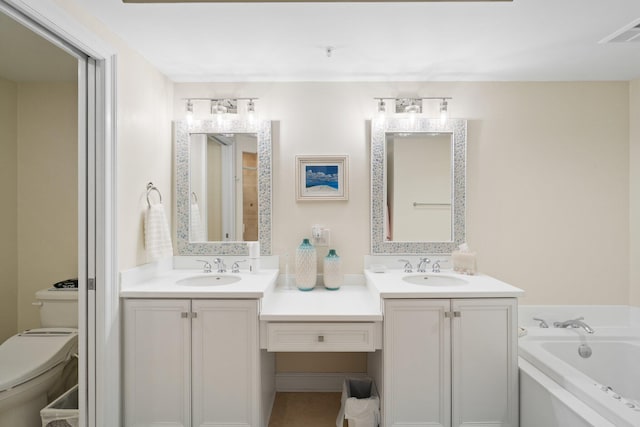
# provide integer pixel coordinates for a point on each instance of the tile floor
(305, 410)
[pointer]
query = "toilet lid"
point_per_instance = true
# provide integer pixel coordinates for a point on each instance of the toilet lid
(33, 352)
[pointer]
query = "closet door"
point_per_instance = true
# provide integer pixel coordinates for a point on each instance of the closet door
(225, 363)
(157, 363)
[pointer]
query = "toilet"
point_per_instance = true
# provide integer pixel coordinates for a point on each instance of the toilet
(37, 365)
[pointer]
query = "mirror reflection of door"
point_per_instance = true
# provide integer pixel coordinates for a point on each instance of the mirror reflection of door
(419, 187)
(250, 196)
(223, 177)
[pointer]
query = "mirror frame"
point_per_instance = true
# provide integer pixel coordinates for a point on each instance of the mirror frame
(182, 132)
(380, 126)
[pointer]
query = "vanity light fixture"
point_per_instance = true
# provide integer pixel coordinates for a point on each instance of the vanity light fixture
(415, 105)
(189, 113)
(220, 106)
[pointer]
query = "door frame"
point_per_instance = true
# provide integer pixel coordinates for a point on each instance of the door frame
(98, 302)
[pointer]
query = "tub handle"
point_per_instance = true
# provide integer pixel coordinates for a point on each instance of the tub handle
(542, 324)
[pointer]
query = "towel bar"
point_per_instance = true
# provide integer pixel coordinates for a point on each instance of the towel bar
(150, 188)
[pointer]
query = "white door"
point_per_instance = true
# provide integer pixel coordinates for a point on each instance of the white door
(157, 363)
(417, 363)
(484, 363)
(225, 363)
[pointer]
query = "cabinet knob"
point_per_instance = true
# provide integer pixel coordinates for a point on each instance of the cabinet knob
(320, 338)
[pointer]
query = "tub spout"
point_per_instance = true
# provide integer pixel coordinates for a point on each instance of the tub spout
(574, 323)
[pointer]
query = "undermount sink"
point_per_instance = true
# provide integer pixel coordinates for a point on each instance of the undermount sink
(208, 280)
(434, 280)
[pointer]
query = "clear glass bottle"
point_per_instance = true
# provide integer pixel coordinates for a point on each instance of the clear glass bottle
(333, 277)
(306, 266)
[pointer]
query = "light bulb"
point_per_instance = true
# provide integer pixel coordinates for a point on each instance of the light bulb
(189, 113)
(444, 113)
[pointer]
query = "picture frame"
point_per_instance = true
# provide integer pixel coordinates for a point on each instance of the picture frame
(322, 177)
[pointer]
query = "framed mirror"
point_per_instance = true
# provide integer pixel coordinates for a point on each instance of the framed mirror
(223, 186)
(417, 185)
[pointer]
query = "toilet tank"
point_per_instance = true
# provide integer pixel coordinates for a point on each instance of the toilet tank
(58, 308)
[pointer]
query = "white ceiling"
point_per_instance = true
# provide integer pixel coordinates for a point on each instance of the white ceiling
(523, 40)
(543, 40)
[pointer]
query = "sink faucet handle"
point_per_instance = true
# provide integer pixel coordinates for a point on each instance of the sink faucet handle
(408, 268)
(435, 267)
(206, 265)
(543, 323)
(235, 267)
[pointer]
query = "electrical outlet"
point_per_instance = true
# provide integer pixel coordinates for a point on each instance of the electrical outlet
(320, 236)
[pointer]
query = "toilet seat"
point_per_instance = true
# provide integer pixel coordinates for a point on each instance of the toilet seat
(33, 352)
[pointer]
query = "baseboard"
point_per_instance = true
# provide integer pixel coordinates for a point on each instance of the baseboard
(310, 382)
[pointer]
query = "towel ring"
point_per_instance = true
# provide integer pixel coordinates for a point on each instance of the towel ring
(194, 196)
(150, 188)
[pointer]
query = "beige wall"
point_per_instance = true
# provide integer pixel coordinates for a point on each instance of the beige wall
(8, 209)
(144, 137)
(47, 191)
(634, 191)
(548, 175)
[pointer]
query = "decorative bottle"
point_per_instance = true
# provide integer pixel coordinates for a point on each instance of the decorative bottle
(306, 266)
(332, 271)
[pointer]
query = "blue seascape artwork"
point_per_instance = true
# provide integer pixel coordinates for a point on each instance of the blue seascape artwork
(321, 177)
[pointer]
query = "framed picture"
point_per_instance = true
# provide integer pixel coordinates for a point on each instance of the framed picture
(322, 177)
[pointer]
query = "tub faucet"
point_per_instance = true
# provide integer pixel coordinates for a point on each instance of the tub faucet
(574, 323)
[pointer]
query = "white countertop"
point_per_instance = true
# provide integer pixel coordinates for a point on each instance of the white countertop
(390, 285)
(163, 285)
(354, 303)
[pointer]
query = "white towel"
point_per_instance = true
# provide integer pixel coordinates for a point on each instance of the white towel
(196, 233)
(157, 238)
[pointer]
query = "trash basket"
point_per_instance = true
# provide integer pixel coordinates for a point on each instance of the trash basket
(62, 412)
(360, 403)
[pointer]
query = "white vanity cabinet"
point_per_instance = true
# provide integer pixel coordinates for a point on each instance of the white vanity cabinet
(450, 362)
(191, 362)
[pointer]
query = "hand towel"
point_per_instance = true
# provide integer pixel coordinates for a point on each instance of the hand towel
(196, 234)
(157, 238)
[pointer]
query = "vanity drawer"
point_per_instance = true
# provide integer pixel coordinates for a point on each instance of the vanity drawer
(321, 336)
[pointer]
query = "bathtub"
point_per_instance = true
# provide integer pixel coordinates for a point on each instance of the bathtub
(602, 370)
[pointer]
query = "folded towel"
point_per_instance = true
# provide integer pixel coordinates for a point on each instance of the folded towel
(157, 238)
(196, 234)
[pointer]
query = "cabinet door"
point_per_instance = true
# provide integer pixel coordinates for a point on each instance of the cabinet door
(157, 357)
(485, 370)
(417, 363)
(225, 363)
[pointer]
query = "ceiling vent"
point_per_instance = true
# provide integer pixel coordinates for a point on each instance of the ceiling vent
(628, 34)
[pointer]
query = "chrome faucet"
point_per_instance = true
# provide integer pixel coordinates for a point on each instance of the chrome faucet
(422, 265)
(408, 268)
(574, 323)
(219, 262)
(543, 323)
(206, 266)
(235, 267)
(435, 268)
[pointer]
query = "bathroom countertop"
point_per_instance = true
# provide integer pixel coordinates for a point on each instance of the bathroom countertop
(390, 284)
(164, 286)
(353, 303)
